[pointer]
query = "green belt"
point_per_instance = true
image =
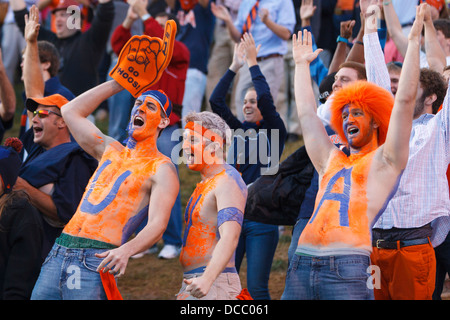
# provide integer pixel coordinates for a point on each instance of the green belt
(69, 241)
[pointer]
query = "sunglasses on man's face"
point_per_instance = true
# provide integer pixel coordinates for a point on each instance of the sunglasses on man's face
(43, 113)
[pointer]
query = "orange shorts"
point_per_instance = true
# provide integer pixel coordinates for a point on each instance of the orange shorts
(407, 273)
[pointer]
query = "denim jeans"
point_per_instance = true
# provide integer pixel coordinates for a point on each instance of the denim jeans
(442, 253)
(259, 242)
(165, 144)
(296, 232)
(342, 277)
(70, 274)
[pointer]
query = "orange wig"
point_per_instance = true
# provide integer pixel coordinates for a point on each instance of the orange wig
(372, 99)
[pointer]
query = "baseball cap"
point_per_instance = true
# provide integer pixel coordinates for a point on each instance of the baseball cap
(187, 5)
(162, 98)
(438, 4)
(10, 162)
(326, 87)
(54, 100)
(64, 4)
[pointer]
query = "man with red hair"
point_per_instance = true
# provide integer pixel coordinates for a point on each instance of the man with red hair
(335, 246)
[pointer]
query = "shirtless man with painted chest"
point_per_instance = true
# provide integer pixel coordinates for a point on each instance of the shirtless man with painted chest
(214, 213)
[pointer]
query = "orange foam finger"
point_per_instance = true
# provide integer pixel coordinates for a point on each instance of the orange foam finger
(143, 59)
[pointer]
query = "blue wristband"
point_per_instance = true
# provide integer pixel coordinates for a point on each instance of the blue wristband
(341, 39)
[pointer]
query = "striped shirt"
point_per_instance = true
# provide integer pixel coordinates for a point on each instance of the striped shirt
(423, 192)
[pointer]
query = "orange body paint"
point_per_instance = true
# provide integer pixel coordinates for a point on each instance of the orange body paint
(340, 216)
(201, 234)
(116, 219)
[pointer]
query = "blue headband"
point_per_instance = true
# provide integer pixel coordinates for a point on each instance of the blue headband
(162, 98)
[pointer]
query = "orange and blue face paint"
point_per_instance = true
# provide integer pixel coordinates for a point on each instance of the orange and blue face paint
(358, 127)
(195, 147)
(147, 111)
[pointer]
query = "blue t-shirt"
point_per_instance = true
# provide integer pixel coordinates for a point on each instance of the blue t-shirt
(196, 32)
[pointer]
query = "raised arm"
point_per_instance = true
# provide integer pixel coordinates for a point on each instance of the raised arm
(32, 74)
(356, 53)
(316, 139)
(222, 13)
(395, 28)
(435, 54)
(7, 95)
(342, 51)
(265, 99)
(121, 34)
(217, 99)
(396, 146)
(376, 69)
(75, 114)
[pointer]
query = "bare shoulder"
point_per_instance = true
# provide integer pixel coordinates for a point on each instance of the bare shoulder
(233, 179)
(165, 172)
(231, 189)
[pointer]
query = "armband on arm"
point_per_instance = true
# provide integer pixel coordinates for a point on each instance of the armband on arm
(230, 214)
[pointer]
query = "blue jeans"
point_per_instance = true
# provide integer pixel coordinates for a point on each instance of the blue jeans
(259, 241)
(165, 144)
(296, 232)
(442, 253)
(341, 277)
(70, 274)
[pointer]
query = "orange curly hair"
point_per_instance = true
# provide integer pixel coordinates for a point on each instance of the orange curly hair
(372, 99)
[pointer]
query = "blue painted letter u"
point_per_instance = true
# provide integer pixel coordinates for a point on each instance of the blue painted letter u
(88, 207)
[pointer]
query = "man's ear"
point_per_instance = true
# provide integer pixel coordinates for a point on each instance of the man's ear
(45, 65)
(430, 100)
(61, 123)
(164, 123)
(375, 124)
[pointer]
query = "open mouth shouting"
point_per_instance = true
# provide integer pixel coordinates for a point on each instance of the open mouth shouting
(189, 156)
(352, 131)
(138, 121)
(37, 130)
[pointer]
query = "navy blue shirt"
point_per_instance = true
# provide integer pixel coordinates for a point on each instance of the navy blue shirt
(196, 32)
(246, 146)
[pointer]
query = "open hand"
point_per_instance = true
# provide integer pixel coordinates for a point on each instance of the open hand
(32, 25)
(307, 9)
(302, 48)
(416, 29)
(220, 12)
